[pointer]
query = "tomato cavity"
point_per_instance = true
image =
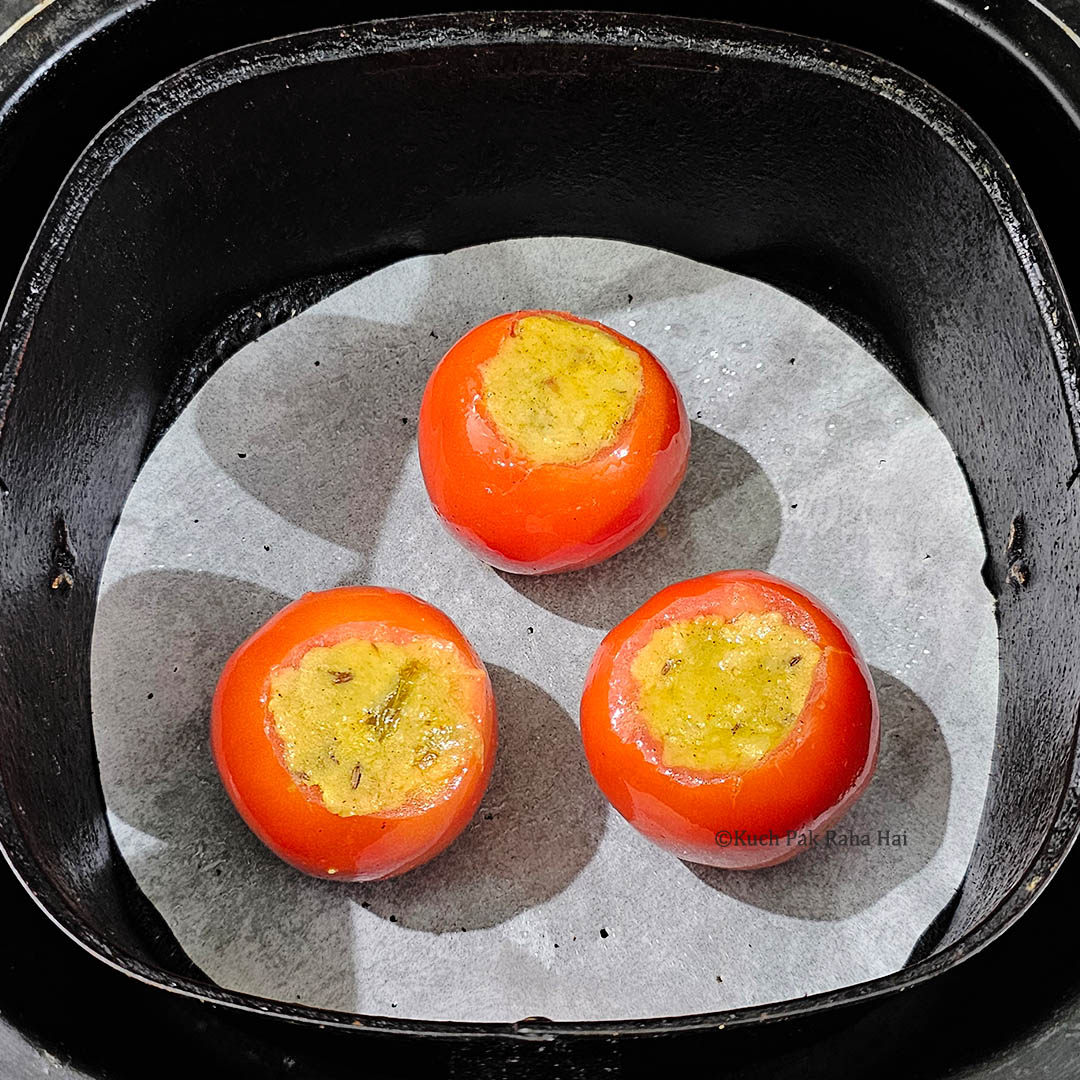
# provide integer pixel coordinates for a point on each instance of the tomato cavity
(559, 391)
(718, 695)
(365, 726)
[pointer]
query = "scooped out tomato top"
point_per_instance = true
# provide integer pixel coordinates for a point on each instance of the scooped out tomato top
(549, 442)
(355, 732)
(733, 702)
(718, 695)
(558, 391)
(374, 721)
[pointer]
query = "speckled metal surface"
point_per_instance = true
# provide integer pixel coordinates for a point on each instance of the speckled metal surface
(1039, 551)
(10, 10)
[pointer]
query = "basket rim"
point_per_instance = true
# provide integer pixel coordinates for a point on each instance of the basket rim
(676, 38)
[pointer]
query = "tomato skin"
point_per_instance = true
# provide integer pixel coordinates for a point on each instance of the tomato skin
(804, 785)
(297, 828)
(540, 519)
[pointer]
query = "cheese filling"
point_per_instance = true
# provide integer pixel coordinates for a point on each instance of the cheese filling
(369, 724)
(558, 391)
(719, 695)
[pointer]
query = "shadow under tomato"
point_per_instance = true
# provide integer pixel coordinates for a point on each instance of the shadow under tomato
(908, 797)
(538, 826)
(725, 515)
(316, 418)
(160, 641)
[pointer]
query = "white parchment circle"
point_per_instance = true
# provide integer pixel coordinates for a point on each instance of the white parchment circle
(295, 469)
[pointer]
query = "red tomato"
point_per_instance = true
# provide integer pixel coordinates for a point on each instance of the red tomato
(289, 815)
(747, 817)
(536, 518)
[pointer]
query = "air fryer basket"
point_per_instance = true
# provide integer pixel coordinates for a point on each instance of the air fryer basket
(280, 169)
